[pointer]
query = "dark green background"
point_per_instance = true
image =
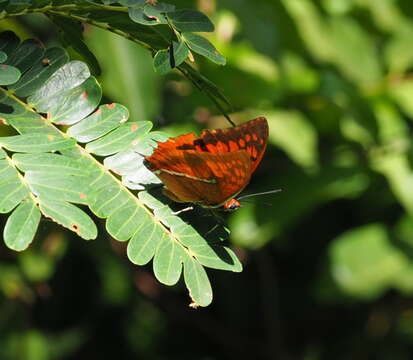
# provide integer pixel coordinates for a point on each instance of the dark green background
(328, 271)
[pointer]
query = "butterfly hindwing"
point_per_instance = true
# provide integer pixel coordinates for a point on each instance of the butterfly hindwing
(210, 179)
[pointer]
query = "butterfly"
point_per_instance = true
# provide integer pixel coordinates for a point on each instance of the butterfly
(212, 169)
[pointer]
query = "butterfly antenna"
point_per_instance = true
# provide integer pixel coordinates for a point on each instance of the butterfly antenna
(229, 119)
(249, 202)
(261, 193)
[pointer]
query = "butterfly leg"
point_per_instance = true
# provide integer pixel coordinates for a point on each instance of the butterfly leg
(183, 210)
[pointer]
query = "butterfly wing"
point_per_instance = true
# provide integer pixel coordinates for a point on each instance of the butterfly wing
(200, 177)
(251, 136)
(212, 168)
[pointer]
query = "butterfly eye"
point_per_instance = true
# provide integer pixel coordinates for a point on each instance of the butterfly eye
(232, 205)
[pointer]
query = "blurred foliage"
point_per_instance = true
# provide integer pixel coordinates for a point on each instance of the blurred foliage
(328, 261)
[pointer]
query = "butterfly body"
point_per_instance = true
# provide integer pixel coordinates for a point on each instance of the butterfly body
(212, 169)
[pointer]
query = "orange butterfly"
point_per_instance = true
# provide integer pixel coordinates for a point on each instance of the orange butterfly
(212, 169)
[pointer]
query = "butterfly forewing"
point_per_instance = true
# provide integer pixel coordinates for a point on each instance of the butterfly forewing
(251, 136)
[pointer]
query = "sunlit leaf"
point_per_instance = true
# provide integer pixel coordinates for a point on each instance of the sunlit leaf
(34, 143)
(294, 134)
(102, 121)
(58, 187)
(197, 282)
(9, 74)
(125, 136)
(364, 262)
(167, 264)
(11, 187)
(139, 16)
(203, 47)
(21, 225)
(142, 246)
(70, 217)
(49, 163)
(36, 76)
(165, 60)
(126, 221)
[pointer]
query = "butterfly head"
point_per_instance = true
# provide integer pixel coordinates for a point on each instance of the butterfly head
(231, 205)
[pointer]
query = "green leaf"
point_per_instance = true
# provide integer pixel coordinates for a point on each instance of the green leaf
(40, 72)
(356, 130)
(397, 170)
(69, 216)
(9, 74)
(132, 3)
(21, 225)
(125, 221)
(214, 256)
(107, 199)
(70, 106)
(142, 246)
(149, 142)
(28, 53)
(35, 143)
(125, 136)
(398, 53)
(3, 57)
(129, 164)
(190, 20)
(138, 16)
(11, 187)
(124, 162)
(401, 93)
(49, 163)
(37, 265)
(136, 180)
(58, 187)
(292, 132)
(102, 121)
(403, 281)
(67, 77)
(165, 60)
(361, 63)
(156, 12)
(364, 263)
(197, 282)
(299, 76)
(167, 263)
(311, 27)
(203, 47)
